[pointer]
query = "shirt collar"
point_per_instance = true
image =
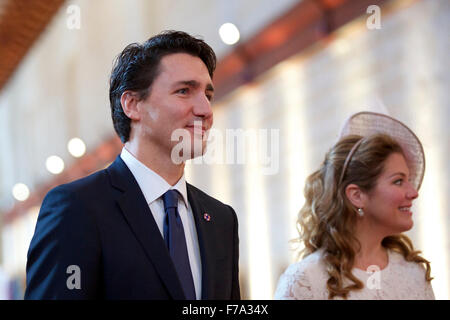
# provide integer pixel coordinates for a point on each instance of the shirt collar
(152, 185)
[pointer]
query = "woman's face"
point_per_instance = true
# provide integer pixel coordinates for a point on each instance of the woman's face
(389, 204)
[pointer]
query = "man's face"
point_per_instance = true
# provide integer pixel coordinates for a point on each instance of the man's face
(179, 98)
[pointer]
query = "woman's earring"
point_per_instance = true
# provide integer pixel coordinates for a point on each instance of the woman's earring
(360, 212)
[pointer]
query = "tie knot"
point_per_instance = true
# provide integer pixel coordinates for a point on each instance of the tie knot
(170, 199)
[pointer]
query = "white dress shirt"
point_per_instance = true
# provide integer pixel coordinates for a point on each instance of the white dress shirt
(153, 186)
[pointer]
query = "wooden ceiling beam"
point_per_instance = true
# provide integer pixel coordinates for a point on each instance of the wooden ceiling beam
(304, 24)
(21, 23)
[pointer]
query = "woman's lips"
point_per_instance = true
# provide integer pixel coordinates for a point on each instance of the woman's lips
(406, 210)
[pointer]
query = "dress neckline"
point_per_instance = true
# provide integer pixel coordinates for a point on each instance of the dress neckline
(376, 267)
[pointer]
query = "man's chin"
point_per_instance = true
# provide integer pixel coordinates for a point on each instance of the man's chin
(182, 152)
(198, 150)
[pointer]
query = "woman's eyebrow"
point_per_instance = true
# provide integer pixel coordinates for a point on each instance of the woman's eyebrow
(398, 173)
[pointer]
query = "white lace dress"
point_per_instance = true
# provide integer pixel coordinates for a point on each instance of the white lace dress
(400, 280)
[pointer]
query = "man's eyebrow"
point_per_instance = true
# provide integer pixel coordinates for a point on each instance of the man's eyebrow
(193, 84)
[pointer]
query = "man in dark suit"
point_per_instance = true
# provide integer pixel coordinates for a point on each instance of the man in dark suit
(137, 230)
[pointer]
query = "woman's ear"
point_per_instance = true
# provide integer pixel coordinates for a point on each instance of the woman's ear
(355, 195)
(129, 103)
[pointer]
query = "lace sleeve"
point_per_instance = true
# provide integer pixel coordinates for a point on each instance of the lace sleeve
(294, 285)
(429, 294)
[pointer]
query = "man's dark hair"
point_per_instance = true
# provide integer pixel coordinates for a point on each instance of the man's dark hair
(137, 66)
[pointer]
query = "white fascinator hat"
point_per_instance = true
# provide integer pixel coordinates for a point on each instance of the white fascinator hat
(368, 123)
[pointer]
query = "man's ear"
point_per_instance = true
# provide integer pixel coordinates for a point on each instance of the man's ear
(355, 195)
(129, 102)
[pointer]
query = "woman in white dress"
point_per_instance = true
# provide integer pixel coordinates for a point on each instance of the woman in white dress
(357, 206)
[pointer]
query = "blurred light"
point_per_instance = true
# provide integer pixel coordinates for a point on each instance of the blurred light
(20, 192)
(76, 147)
(294, 100)
(54, 164)
(258, 231)
(229, 33)
(340, 47)
(432, 224)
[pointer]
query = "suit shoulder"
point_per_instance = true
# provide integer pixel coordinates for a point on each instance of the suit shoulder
(83, 185)
(206, 197)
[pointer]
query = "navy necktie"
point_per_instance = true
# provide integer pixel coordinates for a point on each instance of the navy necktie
(176, 243)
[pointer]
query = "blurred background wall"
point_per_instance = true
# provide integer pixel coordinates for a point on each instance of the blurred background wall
(299, 69)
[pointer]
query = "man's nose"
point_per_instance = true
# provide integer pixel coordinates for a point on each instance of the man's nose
(202, 106)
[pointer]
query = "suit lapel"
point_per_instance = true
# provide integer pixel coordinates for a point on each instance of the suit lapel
(206, 242)
(138, 215)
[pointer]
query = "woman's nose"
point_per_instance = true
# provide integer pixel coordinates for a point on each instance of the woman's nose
(412, 192)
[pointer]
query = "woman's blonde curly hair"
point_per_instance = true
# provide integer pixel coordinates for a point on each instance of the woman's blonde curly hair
(327, 220)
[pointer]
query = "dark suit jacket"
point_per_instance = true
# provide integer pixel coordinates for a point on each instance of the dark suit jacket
(103, 225)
